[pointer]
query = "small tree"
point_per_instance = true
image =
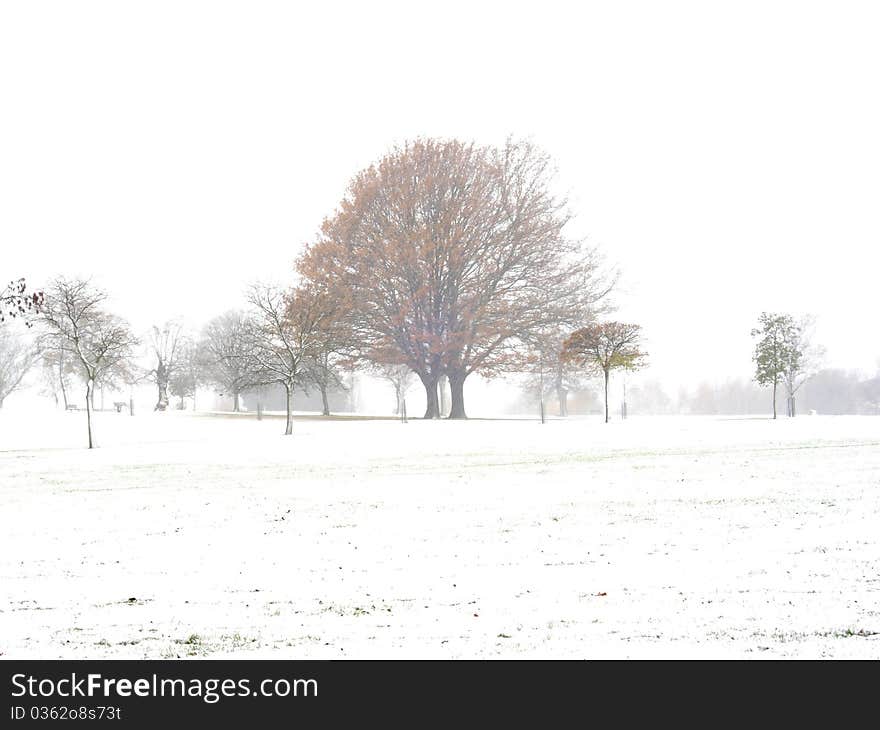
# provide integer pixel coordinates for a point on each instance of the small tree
(776, 351)
(548, 374)
(330, 347)
(283, 336)
(53, 374)
(227, 345)
(164, 344)
(16, 301)
(123, 376)
(804, 359)
(603, 347)
(322, 370)
(97, 341)
(328, 308)
(401, 379)
(186, 377)
(17, 357)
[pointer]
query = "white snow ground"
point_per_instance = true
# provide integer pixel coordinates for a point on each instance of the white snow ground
(657, 537)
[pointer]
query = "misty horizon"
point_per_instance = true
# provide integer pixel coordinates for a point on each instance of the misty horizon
(723, 183)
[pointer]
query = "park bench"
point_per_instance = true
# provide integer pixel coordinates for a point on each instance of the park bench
(72, 407)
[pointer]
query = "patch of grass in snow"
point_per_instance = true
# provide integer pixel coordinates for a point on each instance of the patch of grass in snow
(197, 645)
(341, 610)
(848, 633)
(307, 639)
(863, 633)
(236, 641)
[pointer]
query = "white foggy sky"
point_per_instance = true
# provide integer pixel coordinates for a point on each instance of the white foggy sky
(726, 156)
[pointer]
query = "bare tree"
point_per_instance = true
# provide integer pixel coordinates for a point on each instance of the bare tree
(284, 335)
(803, 359)
(227, 344)
(186, 377)
(17, 356)
(322, 369)
(331, 348)
(401, 379)
(57, 370)
(123, 375)
(78, 325)
(604, 347)
(164, 344)
(547, 374)
(16, 301)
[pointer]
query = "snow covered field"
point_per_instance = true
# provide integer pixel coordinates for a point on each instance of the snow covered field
(658, 537)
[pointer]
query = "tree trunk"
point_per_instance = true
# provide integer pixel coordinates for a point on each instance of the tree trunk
(162, 402)
(456, 388)
(352, 395)
(324, 402)
(1, 403)
(61, 380)
(288, 429)
(397, 397)
(562, 397)
(162, 385)
(607, 375)
(235, 395)
(90, 386)
(441, 398)
(774, 401)
(432, 409)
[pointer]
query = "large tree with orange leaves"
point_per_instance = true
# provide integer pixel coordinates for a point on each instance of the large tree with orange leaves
(451, 257)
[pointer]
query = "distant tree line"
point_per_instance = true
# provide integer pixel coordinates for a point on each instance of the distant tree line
(831, 391)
